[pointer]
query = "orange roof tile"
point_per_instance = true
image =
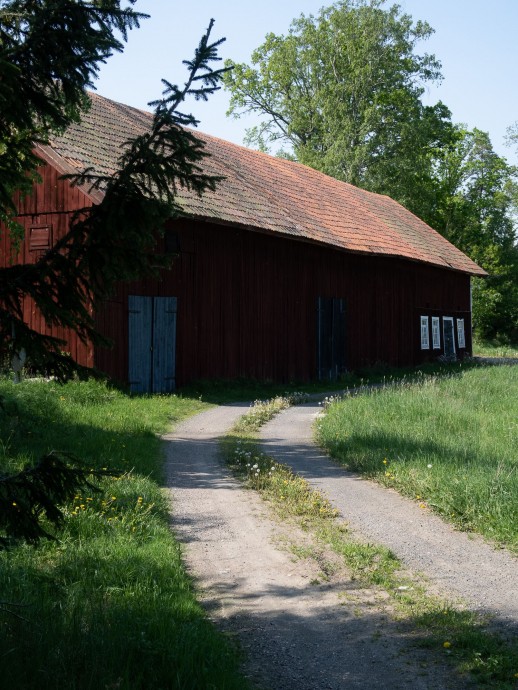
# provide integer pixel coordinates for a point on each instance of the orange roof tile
(265, 193)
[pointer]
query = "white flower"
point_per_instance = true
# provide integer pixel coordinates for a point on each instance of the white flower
(429, 467)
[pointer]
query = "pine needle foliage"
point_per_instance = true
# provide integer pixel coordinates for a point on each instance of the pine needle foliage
(116, 239)
(50, 52)
(37, 492)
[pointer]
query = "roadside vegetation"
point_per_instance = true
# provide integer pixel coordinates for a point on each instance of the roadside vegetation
(493, 348)
(107, 604)
(227, 391)
(460, 635)
(449, 443)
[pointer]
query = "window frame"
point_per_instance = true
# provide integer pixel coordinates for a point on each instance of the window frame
(461, 331)
(425, 331)
(436, 332)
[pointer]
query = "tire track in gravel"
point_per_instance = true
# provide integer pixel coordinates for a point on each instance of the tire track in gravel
(295, 634)
(460, 564)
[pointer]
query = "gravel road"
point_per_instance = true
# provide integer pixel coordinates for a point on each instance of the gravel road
(459, 564)
(299, 631)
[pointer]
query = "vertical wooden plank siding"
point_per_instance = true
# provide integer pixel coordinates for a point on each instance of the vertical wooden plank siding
(247, 301)
(164, 344)
(140, 333)
(51, 205)
(247, 306)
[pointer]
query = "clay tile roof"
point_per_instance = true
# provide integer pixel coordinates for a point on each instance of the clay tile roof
(266, 193)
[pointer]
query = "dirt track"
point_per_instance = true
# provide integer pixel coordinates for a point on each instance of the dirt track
(297, 632)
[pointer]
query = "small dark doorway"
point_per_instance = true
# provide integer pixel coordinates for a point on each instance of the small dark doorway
(152, 344)
(448, 337)
(330, 338)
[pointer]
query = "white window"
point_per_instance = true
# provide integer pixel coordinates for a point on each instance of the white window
(460, 333)
(436, 333)
(425, 333)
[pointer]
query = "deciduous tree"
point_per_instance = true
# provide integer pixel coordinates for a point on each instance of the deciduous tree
(476, 199)
(343, 92)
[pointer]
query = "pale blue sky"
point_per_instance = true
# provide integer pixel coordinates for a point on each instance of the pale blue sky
(476, 41)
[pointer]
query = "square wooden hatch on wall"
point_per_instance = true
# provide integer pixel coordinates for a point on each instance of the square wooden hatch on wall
(40, 238)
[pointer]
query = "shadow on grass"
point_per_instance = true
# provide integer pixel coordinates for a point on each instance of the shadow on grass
(35, 424)
(110, 620)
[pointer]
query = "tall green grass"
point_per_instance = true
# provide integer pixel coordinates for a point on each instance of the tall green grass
(450, 443)
(108, 603)
(491, 348)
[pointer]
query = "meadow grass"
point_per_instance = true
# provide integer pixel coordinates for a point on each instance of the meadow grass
(458, 634)
(449, 443)
(493, 348)
(107, 604)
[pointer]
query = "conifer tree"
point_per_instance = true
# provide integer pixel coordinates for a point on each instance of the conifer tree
(50, 51)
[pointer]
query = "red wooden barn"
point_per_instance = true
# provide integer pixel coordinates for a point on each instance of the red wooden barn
(283, 273)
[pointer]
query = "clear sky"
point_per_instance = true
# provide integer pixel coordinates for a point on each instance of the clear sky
(475, 40)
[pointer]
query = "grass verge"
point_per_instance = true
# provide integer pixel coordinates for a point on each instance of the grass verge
(226, 391)
(107, 605)
(493, 348)
(449, 443)
(459, 635)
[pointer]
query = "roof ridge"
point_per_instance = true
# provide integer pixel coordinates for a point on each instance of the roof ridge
(266, 192)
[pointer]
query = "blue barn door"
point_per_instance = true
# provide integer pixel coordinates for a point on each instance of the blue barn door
(330, 338)
(152, 344)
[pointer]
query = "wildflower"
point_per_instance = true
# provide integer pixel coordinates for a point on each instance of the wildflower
(429, 466)
(446, 645)
(385, 461)
(418, 497)
(422, 505)
(14, 503)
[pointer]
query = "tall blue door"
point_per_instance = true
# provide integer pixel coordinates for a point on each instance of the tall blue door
(152, 344)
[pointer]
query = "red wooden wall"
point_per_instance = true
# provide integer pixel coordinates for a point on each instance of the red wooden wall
(247, 300)
(47, 210)
(247, 305)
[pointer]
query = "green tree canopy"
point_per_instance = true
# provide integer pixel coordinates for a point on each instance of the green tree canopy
(343, 91)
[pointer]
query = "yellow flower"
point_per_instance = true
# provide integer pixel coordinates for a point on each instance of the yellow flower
(385, 461)
(422, 505)
(446, 644)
